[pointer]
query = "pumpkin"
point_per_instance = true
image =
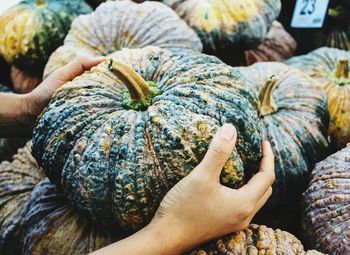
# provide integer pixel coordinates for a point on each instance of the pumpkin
(294, 117)
(227, 26)
(33, 29)
(326, 221)
(255, 240)
(117, 138)
(17, 180)
(278, 45)
(53, 227)
(330, 67)
(5, 72)
(124, 24)
(9, 146)
(23, 82)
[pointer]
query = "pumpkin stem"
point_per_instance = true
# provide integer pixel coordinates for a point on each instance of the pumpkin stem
(342, 69)
(267, 102)
(40, 2)
(139, 94)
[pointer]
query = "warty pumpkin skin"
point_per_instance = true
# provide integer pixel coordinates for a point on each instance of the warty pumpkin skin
(330, 67)
(294, 117)
(117, 163)
(225, 26)
(124, 24)
(278, 45)
(255, 240)
(17, 180)
(326, 220)
(33, 29)
(54, 227)
(22, 81)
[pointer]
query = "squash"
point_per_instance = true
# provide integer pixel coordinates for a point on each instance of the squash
(33, 29)
(326, 221)
(227, 27)
(5, 72)
(278, 45)
(294, 118)
(54, 227)
(17, 180)
(330, 67)
(255, 240)
(23, 82)
(124, 24)
(117, 138)
(9, 146)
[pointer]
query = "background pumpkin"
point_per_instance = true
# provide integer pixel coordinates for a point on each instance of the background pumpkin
(9, 146)
(53, 227)
(278, 45)
(124, 24)
(228, 27)
(330, 67)
(17, 180)
(23, 82)
(115, 158)
(33, 29)
(5, 72)
(326, 204)
(294, 117)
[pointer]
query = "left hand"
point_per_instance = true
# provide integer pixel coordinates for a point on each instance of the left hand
(35, 101)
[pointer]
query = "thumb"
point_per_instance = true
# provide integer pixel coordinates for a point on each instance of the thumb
(219, 151)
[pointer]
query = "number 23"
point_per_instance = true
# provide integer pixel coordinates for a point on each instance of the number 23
(308, 7)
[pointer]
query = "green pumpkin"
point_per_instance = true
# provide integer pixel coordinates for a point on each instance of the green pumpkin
(124, 24)
(330, 67)
(228, 27)
(54, 227)
(326, 220)
(17, 180)
(117, 138)
(294, 118)
(33, 29)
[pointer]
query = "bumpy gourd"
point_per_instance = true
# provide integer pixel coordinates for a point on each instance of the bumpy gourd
(117, 138)
(293, 113)
(9, 146)
(33, 29)
(225, 26)
(54, 227)
(278, 45)
(124, 24)
(330, 67)
(23, 82)
(255, 240)
(326, 221)
(17, 180)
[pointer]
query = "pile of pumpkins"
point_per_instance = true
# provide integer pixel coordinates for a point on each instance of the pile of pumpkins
(113, 141)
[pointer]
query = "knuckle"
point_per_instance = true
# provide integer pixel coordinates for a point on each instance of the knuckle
(219, 152)
(245, 211)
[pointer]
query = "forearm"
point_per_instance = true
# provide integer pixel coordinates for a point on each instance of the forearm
(151, 240)
(12, 112)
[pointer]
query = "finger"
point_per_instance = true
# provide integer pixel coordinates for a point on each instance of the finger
(219, 151)
(260, 182)
(262, 201)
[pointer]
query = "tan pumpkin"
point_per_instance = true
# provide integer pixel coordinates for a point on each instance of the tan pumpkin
(330, 67)
(278, 45)
(124, 24)
(22, 81)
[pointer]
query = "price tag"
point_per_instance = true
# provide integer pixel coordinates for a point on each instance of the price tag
(309, 13)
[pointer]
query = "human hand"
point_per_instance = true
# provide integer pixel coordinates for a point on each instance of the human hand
(35, 101)
(198, 208)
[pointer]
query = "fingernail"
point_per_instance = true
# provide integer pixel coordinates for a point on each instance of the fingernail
(227, 131)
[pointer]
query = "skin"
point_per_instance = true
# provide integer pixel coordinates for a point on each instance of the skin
(187, 216)
(19, 112)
